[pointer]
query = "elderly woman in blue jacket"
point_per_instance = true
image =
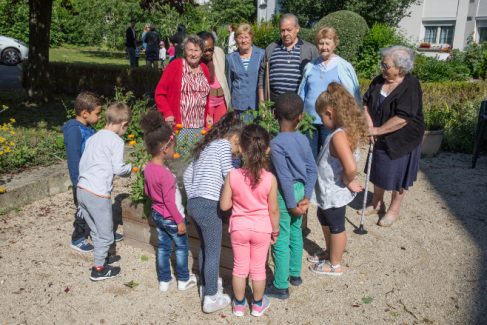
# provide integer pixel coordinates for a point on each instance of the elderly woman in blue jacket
(318, 74)
(243, 71)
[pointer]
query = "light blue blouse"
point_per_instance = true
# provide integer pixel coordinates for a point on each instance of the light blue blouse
(243, 84)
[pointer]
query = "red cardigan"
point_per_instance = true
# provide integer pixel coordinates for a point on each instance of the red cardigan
(168, 91)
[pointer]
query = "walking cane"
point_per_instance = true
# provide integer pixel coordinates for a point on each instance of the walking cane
(361, 230)
(267, 81)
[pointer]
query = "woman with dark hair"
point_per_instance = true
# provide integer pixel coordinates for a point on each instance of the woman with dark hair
(182, 93)
(152, 39)
(177, 40)
(214, 58)
(393, 109)
(214, 31)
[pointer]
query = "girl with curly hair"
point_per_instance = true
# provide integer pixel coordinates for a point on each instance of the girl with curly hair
(167, 209)
(250, 195)
(337, 167)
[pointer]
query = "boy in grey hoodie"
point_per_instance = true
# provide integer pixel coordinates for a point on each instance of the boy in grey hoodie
(102, 158)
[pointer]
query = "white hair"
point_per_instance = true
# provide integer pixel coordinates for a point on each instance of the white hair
(194, 39)
(402, 57)
(286, 17)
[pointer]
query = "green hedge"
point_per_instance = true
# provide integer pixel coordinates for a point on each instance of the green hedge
(72, 78)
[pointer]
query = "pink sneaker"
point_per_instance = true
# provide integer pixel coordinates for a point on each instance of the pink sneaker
(259, 310)
(239, 310)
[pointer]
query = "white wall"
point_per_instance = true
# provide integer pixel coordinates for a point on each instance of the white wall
(266, 8)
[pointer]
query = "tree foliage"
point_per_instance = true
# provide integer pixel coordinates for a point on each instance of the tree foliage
(389, 12)
(351, 30)
(234, 11)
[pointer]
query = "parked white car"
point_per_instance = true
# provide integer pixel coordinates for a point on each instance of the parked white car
(12, 51)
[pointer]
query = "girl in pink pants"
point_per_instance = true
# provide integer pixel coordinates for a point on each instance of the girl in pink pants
(254, 224)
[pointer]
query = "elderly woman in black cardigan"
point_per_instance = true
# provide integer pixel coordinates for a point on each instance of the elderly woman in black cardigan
(393, 108)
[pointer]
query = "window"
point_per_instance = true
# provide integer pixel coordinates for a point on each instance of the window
(438, 34)
(469, 18)
(430, 34)
(483, 35)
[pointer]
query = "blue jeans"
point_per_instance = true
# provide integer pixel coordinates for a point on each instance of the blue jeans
(168, 233)
(319, 136)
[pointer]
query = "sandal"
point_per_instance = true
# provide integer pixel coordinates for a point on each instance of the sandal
(316, 257)
(387, 222)
(369, 212)
(319, 268)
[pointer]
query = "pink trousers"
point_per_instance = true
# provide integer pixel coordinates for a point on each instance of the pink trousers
(249, 253)
(217, 112)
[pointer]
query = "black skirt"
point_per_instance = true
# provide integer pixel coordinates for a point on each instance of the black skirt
(152, 56)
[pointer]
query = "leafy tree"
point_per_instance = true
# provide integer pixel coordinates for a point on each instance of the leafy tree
(389, 12)
(234, 11)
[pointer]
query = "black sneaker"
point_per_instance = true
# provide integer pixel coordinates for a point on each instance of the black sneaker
(112, 259)
(272, 291)
(106, 272)
(295, 280)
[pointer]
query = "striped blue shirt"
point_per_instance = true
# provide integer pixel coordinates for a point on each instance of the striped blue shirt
(245, 62)
(284, 73)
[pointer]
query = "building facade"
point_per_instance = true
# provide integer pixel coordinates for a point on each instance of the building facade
(267, 8)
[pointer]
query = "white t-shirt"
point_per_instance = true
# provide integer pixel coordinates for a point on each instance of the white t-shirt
(232, 45)
(162, 53)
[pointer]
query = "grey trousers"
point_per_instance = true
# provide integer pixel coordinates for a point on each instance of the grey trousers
(97, 211)
(131, 53)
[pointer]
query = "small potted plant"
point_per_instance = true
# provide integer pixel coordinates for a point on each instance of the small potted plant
(425, 45)
(435, 120)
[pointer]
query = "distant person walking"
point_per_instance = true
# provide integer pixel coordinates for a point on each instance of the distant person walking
(153, 40)
(130, 43)
(232, 44)
(214, 31)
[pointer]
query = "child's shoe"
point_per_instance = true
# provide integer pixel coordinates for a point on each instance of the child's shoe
(258, 309)
(118, 237)
(216, 302)
(164, 286)
(273, 292)
(295, 280)
(82, 245)
(185, 285)
(112, 259)
(106, 272)
(220, 288)
(239, 309)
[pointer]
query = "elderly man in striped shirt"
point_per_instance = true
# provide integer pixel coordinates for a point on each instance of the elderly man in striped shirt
(287, 59)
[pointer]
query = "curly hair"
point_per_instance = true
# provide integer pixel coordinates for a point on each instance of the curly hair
(226, 127)
(347, 113)
(156, 132)
(254, 141)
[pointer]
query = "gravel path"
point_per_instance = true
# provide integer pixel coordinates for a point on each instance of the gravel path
(427, 268)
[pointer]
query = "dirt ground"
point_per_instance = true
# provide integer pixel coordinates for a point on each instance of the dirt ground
(429, 267)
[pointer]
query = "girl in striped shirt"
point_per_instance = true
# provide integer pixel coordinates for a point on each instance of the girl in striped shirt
(203, 181)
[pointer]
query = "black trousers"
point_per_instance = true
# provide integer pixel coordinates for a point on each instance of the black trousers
(81, 229)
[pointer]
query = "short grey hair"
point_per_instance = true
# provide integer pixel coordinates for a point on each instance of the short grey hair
(286, 17)
(194, 39)
(402, 57)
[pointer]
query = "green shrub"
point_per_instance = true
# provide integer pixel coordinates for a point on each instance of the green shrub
(380, 36)
(461, 127)
(71, 78)
(305, 35)
(265, 34)
(473, 55)
(437, 118)
(351, 29)
(429, 69)
(483, 67)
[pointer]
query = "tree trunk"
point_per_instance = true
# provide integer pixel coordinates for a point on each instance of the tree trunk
(37, 76)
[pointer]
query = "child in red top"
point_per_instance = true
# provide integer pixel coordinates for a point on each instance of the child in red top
(254, 224)
(167, 210)
(170, 52)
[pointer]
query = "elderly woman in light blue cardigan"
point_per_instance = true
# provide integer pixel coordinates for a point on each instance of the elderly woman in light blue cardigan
(318, 74)
(243, 71)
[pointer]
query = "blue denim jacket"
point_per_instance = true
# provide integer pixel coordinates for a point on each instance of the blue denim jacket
(243, 83)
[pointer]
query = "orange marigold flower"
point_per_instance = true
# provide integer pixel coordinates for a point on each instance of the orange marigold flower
(176, 156)
(133, 142)
(203, 132)
(135, 169)
(131, 136)
(179, 126)
(197, 135)
(210, 126)
(176, 131)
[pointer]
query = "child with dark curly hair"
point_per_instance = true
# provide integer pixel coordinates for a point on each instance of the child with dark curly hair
(167, 209)
(337, 170)
(250, 194)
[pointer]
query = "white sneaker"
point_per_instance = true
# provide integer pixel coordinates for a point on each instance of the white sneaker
(202, 288)
(164, 286)
(185, 285)
(216, 302)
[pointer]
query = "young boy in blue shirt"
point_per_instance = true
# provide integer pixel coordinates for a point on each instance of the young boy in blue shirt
(88, 107)
(294, 166)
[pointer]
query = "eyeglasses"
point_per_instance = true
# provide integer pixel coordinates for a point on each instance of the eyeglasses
(210, 49)
(170, 139)
(385, 66)
(243, 38)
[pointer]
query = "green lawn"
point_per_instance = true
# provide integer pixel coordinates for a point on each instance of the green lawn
(95, 57)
